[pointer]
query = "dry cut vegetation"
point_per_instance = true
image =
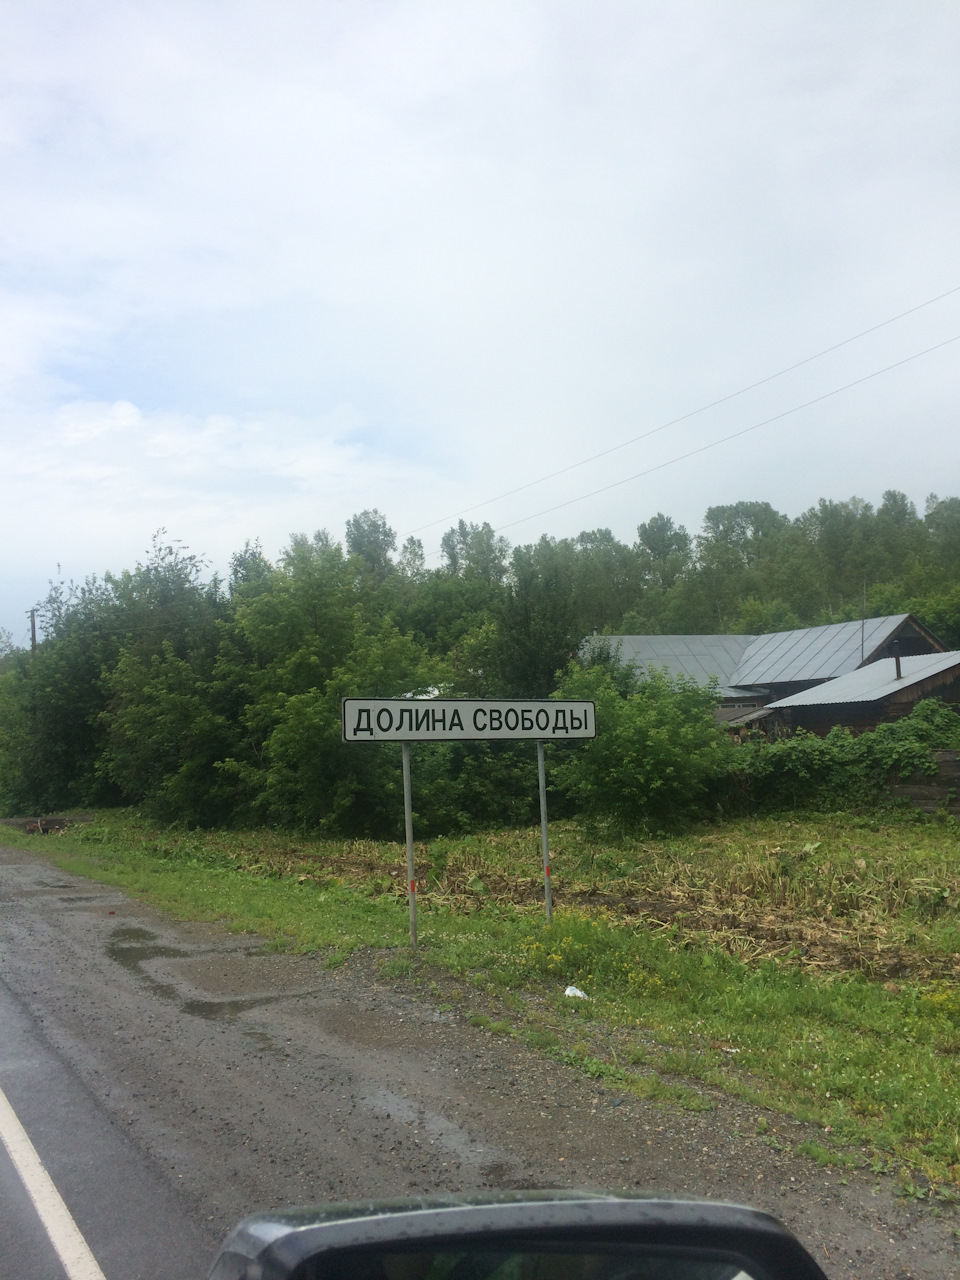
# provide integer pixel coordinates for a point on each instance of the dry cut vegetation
(829, 893)
(808, 964)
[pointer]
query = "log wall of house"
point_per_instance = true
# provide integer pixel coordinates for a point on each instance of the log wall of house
(933, 792)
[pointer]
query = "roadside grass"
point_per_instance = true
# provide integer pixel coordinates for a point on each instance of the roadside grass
(806, 965)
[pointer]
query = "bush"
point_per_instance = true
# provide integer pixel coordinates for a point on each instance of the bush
(657, 753)
(842, 769)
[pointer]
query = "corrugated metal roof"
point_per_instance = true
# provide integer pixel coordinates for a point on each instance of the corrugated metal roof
(701, 657)
(742, 663)
(814, 653)
(873, 682)
(748, 717)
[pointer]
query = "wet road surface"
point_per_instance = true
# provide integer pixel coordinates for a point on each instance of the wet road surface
(175, 1077)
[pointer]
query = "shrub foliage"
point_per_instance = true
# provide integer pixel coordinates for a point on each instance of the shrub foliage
(212, 702)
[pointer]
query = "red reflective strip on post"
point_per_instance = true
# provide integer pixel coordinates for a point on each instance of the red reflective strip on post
(547, 869)
(413, 886)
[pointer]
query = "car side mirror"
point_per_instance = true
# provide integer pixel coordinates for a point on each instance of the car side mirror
(524, 1236)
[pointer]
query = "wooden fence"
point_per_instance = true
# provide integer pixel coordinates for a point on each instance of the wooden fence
(933, 792)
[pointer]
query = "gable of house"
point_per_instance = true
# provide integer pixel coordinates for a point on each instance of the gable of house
(810, 655)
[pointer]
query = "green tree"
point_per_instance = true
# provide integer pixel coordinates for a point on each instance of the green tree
(606, 581)
(845, 552)
(315, 780)
(755, 617)
(943, 522)
(474, 551)
(902, 537)
(537, 626)
(372, 541)
(737, 542)
(54, 698)
(460, 597)
(164, 738)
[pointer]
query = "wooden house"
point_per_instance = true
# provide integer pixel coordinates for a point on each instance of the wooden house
(755, 672)
(882, 691)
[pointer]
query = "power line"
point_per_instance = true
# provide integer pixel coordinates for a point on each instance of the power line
(733, 436)
(686, 416)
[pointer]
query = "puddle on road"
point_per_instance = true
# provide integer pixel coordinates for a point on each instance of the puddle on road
(132, 948)
(47, 885)
(214, 1010)
(128, 933)
(442, 1132)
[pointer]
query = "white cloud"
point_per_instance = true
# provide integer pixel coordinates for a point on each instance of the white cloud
(326, 256)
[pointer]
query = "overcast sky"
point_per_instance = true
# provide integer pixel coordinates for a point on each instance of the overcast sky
(265, 265)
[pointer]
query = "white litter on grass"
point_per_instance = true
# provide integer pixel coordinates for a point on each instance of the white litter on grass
(575, 991)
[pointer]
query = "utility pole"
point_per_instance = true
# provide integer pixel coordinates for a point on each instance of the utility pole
(33, 631)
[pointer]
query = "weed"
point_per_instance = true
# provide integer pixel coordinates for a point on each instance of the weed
(908, 1189)
(540, 1039)
(824, 1156)
(499, 1028)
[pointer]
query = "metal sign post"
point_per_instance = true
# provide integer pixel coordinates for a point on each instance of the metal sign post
(408, 826)
(544, 833)
(407, 720)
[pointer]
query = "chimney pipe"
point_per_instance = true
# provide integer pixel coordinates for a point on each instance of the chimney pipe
(895, 650)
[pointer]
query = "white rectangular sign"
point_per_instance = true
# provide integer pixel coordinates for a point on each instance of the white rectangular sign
(464, 719)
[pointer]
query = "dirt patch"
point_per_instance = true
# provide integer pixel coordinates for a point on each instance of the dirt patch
(44, 826)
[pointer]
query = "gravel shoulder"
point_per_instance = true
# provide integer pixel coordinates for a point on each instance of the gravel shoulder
(249, 1078)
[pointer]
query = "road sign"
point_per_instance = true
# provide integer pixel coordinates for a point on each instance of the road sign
(407, 720)
(465, 719)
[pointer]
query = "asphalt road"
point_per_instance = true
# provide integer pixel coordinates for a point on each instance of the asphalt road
(174, 1077)
(132, 1220)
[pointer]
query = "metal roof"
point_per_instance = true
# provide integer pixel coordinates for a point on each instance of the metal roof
(703, 658)
(873, 682)
(744, 663)
(814, 653)
(747, 717)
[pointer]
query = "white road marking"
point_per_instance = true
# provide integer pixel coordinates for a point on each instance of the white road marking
(74, 1252)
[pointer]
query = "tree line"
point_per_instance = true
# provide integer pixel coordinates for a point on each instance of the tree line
(214, 701)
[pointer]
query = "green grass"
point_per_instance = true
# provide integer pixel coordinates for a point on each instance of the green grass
(699, 994)
(498, 1027)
